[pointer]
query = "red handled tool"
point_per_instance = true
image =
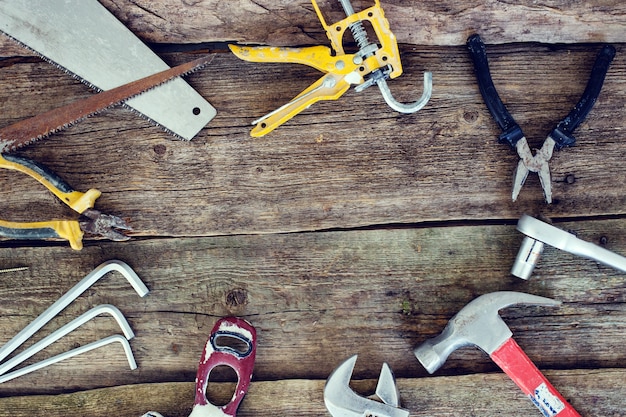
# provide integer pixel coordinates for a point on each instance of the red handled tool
(479, 324)
(216, 354)
(238, 355)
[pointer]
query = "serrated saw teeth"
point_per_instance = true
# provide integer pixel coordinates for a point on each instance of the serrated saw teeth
(26, 131)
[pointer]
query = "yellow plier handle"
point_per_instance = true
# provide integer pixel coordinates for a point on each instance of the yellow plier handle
(77, 201)
(54, 229)
(60, 229)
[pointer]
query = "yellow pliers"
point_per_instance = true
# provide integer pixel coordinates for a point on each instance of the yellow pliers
(372, 64)
(91, 220)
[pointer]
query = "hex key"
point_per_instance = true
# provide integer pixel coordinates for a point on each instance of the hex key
(71, 295)
(56, 335)
(72, 353)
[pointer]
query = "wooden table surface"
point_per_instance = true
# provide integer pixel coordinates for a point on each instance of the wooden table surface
(351, 229)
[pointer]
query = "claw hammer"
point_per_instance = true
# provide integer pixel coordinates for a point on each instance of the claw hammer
(479, 324)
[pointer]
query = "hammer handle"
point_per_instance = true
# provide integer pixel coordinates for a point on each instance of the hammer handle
(514, 362)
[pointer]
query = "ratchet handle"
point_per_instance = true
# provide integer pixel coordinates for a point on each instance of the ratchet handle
(516, 364)
(562, 134)
(240, 360)
(55, 229)
(76, 200)
(511, 132)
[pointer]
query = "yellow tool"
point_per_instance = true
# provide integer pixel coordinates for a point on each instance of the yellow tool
(29, 130)
(90, 221)
(372, 64)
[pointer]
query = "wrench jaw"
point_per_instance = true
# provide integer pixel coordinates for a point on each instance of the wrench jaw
(342, 401)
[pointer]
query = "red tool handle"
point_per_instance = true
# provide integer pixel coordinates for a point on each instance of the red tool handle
(240, 360)
(514, 362)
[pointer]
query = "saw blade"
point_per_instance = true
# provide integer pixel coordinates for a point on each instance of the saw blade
(26, 131)
(86, 40)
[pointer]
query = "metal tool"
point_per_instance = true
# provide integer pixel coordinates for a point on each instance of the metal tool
(539, 233)
(59, 333)
(26, 131)
(74, 352)
(512, 134)
(342, 401)
(71, 295)
(372, 64)
(239, 356)
(83, 38)
(479, 324)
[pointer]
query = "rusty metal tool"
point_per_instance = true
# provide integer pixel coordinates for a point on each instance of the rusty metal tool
(560, 137)
(479, 324)
(84, 39)
(372, 64)
(342, 401)
(26, 131)
(538, 234)
(232, 343)
(67, 298)
(40, 126)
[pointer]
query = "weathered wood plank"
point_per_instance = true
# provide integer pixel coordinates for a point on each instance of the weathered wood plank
(591, 392)
(426, 22)
(347, 163)
(312, 297)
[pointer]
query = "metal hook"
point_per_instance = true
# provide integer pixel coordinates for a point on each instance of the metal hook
(410, 107)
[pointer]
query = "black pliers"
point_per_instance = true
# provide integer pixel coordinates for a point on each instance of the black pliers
(560, 137)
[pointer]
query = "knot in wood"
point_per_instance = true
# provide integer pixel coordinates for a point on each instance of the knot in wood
(236, 297)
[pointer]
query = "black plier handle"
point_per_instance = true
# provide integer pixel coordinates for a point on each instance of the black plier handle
(512, 133)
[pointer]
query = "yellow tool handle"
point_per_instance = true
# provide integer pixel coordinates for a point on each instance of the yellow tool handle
(76, 200)
(54, 229)
(318, 57)
(329, 87)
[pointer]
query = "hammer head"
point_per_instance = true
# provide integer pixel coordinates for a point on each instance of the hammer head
(479, 324)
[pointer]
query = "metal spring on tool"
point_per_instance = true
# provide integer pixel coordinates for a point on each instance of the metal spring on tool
(358, 31)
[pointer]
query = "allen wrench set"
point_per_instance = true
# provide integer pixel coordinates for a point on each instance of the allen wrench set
(58, 306)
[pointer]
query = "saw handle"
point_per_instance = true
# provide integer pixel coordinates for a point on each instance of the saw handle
(514, 362)
(76, 200)
(511, 132)
(562, 134)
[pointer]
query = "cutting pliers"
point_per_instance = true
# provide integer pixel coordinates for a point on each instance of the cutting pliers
(90, 221)
(560, 137)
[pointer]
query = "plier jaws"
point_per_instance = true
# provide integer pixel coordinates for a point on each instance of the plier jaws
(106, 225)
(560, 137)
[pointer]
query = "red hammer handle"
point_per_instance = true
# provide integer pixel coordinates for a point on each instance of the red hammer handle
(514, 362)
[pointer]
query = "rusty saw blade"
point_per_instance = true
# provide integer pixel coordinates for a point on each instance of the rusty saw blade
(26, 131)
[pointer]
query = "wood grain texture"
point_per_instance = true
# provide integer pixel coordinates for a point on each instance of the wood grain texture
(346, 163)
(312, 297)
(592, 393)
(350, 229)
(420, 23)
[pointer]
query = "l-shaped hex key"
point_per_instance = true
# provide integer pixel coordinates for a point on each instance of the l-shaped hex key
(71, 295)
(56, 335)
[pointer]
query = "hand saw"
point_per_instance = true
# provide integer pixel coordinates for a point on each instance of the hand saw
(85, 39)
(25, 131)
